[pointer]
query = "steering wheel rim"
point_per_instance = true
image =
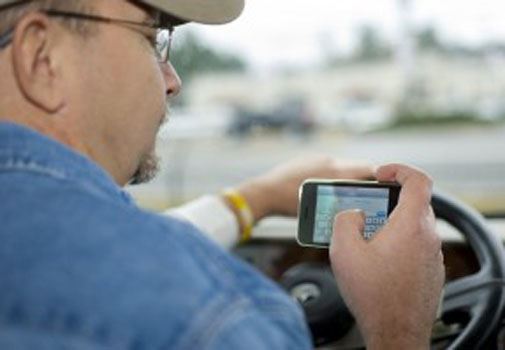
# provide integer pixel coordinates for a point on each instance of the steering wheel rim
(481, 295)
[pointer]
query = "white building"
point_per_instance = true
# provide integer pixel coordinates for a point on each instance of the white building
(366, 93)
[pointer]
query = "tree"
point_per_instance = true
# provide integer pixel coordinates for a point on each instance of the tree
(371, 46)
(427, 39)
(193, 57)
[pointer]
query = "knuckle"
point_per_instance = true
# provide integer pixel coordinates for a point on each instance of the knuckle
(424, 187)
(428, 181)
(425, 180)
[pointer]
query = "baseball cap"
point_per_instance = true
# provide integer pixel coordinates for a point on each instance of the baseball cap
(201, 11)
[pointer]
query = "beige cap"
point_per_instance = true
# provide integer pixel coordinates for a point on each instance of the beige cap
(201, 11)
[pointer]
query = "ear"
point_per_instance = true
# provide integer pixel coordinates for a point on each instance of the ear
(34, 61)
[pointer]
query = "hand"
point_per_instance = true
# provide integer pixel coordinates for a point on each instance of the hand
(276, 192)
(392, 283)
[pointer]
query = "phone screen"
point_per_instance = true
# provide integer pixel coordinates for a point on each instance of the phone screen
(321, 200)
(331, 200)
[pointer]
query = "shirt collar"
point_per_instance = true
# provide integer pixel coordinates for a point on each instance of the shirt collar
(26, 149)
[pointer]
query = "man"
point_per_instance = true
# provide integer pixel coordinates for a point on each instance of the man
(82, 94)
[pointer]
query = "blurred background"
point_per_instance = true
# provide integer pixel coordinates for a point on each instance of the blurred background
(413, 81)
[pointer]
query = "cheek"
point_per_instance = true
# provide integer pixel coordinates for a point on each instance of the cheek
(127, 93)
(147, 103)
(153, 89)
(137, 84)
(150, 93)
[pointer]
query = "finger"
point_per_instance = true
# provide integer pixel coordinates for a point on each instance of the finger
(416, 185)
(347, 238)
(364, 172)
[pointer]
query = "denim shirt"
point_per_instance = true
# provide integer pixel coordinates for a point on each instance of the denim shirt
(82, 267)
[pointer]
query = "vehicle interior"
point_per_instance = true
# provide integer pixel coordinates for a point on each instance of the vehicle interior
(419, 82)
(471, 314)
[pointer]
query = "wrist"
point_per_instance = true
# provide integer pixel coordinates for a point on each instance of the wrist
(239, 205)
(258, 196)
(397, 338)
(386, 344)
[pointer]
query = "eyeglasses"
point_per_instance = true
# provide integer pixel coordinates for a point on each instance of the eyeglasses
(164, 34)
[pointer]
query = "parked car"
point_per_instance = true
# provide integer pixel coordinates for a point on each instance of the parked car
(291, 115)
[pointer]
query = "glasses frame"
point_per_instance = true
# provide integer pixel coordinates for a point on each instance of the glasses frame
(6, 37)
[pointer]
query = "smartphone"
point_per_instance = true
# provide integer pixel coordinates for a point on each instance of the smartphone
(321, 200)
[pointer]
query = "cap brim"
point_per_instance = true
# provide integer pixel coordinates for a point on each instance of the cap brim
(201, 11)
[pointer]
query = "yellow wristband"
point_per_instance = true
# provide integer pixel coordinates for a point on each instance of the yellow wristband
(244, 212)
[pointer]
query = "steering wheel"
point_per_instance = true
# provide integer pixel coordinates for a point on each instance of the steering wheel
(479, 297)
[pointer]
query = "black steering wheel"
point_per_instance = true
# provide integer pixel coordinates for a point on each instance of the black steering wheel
(479, 297)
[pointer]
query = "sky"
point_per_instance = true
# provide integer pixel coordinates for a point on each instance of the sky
(272, 33)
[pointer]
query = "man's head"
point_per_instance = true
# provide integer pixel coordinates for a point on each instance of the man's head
(87, 73)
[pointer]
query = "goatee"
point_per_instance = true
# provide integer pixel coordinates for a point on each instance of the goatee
(148, 168)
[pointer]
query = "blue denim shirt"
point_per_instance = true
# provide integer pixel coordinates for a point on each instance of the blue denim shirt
(81, 267)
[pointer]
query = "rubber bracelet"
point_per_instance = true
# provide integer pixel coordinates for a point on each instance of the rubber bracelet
(244, 212)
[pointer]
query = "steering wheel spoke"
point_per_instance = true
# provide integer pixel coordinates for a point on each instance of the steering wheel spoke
(463, 294)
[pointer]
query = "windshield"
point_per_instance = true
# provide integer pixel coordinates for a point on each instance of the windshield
(421, 82)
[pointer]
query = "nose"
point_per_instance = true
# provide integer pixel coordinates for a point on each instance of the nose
(172, 80)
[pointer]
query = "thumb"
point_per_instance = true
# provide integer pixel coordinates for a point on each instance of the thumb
(347, 234)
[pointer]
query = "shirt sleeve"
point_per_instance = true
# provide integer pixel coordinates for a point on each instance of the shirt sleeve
(212, 216)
